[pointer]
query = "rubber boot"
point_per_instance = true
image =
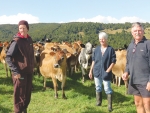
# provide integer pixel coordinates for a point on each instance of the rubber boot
(24, 111)
(98, 98)
(109, 98)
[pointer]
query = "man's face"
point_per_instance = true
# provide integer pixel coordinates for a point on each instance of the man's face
(137, 33)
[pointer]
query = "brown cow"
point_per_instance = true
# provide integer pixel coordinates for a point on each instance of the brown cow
(72, 60)
(53, 65)
(38, 48)
(3, 56)
(119, 67)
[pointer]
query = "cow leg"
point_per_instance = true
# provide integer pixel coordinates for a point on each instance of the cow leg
(38, 71)
(113, 78)
(72, 71)
(69, 71)
(44, 83)
(55, 87)
(83, 74)
(116, 80)
(62, 87)
(119, 81)
(77, 67)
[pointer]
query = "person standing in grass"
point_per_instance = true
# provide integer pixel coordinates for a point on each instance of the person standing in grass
(103, 60)
(20, 59)
(138, 67)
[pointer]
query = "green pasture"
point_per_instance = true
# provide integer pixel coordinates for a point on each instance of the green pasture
(80, 97)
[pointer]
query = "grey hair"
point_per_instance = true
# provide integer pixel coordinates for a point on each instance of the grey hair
(103, 35)
(137, 24)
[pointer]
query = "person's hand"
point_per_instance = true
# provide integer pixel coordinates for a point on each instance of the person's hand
(148, 86)
(17, 76)
(90, 75)
(125, 76)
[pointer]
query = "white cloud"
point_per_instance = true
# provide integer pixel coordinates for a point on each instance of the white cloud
(14, 19)
(109, 19)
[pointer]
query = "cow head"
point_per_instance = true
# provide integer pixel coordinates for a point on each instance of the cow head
(88, 48)
(55, 48)
(59, 58)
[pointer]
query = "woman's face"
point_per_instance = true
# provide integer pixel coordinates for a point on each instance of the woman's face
(23, 30)
(103, 41)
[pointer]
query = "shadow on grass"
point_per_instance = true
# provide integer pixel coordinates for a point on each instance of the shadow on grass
(76, 83)
(4, 110)
(6, 81)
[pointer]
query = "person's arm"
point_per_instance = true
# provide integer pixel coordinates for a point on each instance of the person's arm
(126, 73)
(92, 65)
(110, 67)
(91, 70)
(148, 48)
(113, 60)
(9, 55)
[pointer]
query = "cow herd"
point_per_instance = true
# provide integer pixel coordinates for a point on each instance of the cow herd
(59, 60)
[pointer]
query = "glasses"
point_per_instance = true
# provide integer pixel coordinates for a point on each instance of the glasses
(134, 48)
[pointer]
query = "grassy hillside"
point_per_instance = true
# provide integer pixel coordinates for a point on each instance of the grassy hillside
(110, 31)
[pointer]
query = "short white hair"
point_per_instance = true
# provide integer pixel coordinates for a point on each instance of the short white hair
(103, 35)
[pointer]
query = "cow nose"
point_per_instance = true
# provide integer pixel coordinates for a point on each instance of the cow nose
(37, 54)
(89, 51)
(56, 65)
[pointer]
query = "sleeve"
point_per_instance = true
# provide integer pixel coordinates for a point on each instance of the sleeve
(93, 55)
(148, 52)
(113, 56)
(9, 55)
(127, 62)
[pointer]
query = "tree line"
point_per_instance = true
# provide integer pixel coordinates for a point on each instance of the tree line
(84, 31)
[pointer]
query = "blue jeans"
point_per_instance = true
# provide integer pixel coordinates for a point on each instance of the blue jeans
(107, 85)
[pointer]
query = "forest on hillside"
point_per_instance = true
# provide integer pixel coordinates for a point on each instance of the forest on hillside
(84, 31)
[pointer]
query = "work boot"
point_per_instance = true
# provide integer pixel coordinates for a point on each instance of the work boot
(109, 98)
(98, 98)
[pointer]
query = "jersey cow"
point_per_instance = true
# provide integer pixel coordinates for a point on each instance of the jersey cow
(4, 48)
(119, 67)
(53, 65)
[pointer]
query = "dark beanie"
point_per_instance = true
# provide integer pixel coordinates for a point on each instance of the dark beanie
(24, 22)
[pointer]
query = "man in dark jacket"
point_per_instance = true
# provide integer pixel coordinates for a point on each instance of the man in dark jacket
(20, 58)
(138, 67)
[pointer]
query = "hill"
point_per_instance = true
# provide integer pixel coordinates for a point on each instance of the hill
(119, 34)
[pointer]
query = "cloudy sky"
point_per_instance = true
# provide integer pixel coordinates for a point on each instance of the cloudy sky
(63, 11)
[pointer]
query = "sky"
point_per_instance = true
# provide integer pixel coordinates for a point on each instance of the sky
(64, 11)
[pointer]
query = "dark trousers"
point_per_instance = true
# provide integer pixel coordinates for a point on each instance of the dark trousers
(22, 92)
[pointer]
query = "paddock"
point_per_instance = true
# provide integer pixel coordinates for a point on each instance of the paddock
(80, 97)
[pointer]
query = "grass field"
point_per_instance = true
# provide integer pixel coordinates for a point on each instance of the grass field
(80, 97)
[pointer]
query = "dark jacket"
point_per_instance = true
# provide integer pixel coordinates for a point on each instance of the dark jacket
(20, 56)
(138, 62)
(103, 62)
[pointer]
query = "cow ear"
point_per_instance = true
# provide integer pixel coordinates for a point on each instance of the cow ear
(53, 49)
(52, 53)
(68, 55)
(82, 45)
(65, 51)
